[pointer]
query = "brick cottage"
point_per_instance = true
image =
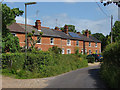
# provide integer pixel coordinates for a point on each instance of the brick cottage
(67, 41)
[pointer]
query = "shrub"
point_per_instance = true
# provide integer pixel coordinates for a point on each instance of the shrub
(110, 69)
(56, 50)
(40, 64)
(91, 59)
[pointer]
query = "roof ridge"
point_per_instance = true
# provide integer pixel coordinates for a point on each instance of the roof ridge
(33, 25)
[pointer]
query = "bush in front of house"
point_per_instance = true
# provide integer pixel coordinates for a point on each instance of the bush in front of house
(91, 59)
(110, 69)
(40, 64)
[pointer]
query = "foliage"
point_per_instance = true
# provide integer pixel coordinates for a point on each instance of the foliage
(8, 17)
(76, 50)
(40, 64)
(83, 31)
(91, 59)
(32, 40)
(102, 38)
(116, 31)
(71, 28)
(111, 1)
(56, 50)
(10, 43)
(110, 69)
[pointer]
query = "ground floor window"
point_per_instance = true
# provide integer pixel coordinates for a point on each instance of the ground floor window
(89, 51)
(96, 51)
(63, 51)
(68, 51)
(82, 51)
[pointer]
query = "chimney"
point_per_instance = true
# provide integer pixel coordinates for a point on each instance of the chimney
(56, 28)
(66, 29)
(38, 25)
(87, 33)
(78, 33)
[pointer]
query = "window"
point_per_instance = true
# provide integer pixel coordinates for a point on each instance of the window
(77, 43)
(38, 40)
(63, 51)
(96, 51)
(68, 51)
(89, 44)
(96, 44)
(14, 34)
(39, 49)
(100, 51)
(68, 42)
(85, 51)
(82, 51)
(51, 41)
(89, 51)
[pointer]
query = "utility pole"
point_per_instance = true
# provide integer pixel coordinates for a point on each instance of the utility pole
(111, 28)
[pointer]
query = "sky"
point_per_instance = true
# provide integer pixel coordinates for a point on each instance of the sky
(84, 15)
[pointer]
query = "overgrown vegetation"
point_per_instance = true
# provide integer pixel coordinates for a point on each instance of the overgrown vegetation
(40, 64)
(110, 69)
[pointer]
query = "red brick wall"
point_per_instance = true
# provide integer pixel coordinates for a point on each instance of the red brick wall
(93, 48)
(61, 43)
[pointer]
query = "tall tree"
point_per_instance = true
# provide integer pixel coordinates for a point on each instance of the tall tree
(116, 31)
(8, 17)
(83, 31)
(10, 43)
(117, 2)
(102, 38)
(71, 28)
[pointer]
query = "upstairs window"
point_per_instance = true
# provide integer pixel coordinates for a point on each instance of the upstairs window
(38, 40)
(14, 34)
(89, 44)
(96, 44)
(52, 41)
(77, 43)
(68, 42)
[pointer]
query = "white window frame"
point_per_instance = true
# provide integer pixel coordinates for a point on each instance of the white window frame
(89, 51)
(52, 41)
(89, 44)
(63, 51)
(68, 43)
(40, 40)
(96, 44)
(77, 43)
(69, 50)
(14, 34)
(82, 51)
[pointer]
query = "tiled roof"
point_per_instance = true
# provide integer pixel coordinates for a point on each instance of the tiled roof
(95, 39)
(17, 27)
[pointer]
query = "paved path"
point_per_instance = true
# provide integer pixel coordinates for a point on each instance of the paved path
(81, 78)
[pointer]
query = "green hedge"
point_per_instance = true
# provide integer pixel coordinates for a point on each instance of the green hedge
(110, 69)
(40, 64)
(91, 59)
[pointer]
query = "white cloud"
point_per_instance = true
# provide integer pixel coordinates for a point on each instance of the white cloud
(100, 26)
(22, 20)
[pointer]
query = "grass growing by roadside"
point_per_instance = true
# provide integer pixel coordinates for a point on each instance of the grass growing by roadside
(40, 64)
